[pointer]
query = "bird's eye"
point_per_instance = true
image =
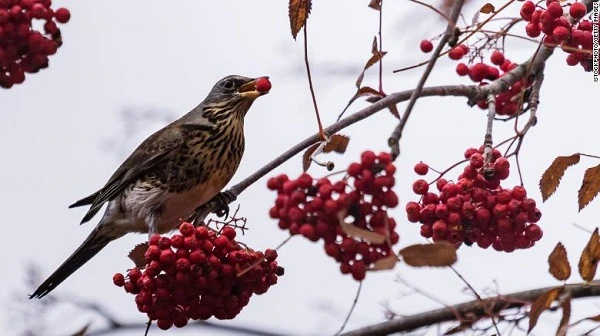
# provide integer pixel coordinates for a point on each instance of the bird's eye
(228, 84)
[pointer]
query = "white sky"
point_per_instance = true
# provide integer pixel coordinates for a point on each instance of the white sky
(54, 129)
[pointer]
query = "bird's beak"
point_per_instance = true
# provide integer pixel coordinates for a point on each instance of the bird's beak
(249, 91)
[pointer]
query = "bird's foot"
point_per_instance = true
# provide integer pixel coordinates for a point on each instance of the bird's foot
(218, 205)
(222, 201)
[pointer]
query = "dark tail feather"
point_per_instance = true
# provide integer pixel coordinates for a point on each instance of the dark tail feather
(85, 201)
(90, 247)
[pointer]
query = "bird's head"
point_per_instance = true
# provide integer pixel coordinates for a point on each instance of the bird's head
(233, 95)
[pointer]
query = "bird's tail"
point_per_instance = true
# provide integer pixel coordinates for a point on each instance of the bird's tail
(95, 242)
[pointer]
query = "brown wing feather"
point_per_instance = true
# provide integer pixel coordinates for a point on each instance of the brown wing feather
(157, 148)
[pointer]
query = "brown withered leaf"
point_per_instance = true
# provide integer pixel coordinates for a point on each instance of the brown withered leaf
(298, 11)
(337, 143)
(375, 4)
(558, 263)
(459, 328)
(394, 111)
(551, 177)
(590, 186)
(376, 56)
(137, 254)
(369, 92)
(435, 255)
(356, 232)
(563, 326)
(542, 303)
(386, 263)
(306, 161)
(588, 262)
(488, 8)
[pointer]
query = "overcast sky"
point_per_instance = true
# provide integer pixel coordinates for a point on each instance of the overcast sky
(63, 134)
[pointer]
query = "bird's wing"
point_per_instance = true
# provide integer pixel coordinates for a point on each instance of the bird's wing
(156, 149)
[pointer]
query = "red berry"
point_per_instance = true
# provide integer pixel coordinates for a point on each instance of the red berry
(577, 10)
(420, 187)
(186, 229)
(560, 34)
(263, 84)
(462, 69)
(358, 270)
(532, 30)
(367, 159)
(497, 58)
(119, 279)
(62, 15)
(354, 169)
(456, 53)
(421, 168)
(167, 257)
(309, 232)
(555, 9)
(426, 46)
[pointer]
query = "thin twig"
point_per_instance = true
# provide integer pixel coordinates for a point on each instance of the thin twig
(354, 302)
(380, 47)
(394, 139)
(322, 135)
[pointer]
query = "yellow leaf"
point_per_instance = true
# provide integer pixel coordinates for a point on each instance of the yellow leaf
(590, 186)
(542, 303)
(551, 177)
(588, 262)
(558, 262)
(436, 255)
(298, 13)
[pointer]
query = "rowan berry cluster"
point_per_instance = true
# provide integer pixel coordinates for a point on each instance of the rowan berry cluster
(574, 39)
(476, 209)
(344, 213)
(23, 49)
(198, 274)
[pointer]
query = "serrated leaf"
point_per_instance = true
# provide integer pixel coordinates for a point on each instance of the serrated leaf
(298, 11)
(542, 303)
(435, 255)
(363, 91)
(558, 263)
(337, 143)
(386, 263)
(306, 161)
(551, 177)
(590, 186)
(355, 232)
(563, 326)
(588, 262)
(488, 8)
(375, 4)
(137, 254)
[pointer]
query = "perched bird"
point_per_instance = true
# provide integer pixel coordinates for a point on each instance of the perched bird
(170, 174)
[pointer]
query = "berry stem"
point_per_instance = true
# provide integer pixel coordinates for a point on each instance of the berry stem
(354, 302)
(322, 135)
(380, 48)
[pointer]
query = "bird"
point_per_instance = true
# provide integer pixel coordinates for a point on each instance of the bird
(174, 171)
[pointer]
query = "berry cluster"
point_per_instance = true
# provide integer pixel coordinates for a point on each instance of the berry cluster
(23, 49)
(574, 39)
(197, 274)
(476, 209)
(321, 209)
(507, 101)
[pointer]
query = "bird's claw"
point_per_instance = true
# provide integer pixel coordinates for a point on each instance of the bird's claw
(222, 201)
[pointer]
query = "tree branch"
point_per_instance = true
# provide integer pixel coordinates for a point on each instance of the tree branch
(475, 309)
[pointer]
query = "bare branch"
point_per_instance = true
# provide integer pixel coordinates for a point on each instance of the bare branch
(475, 309)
